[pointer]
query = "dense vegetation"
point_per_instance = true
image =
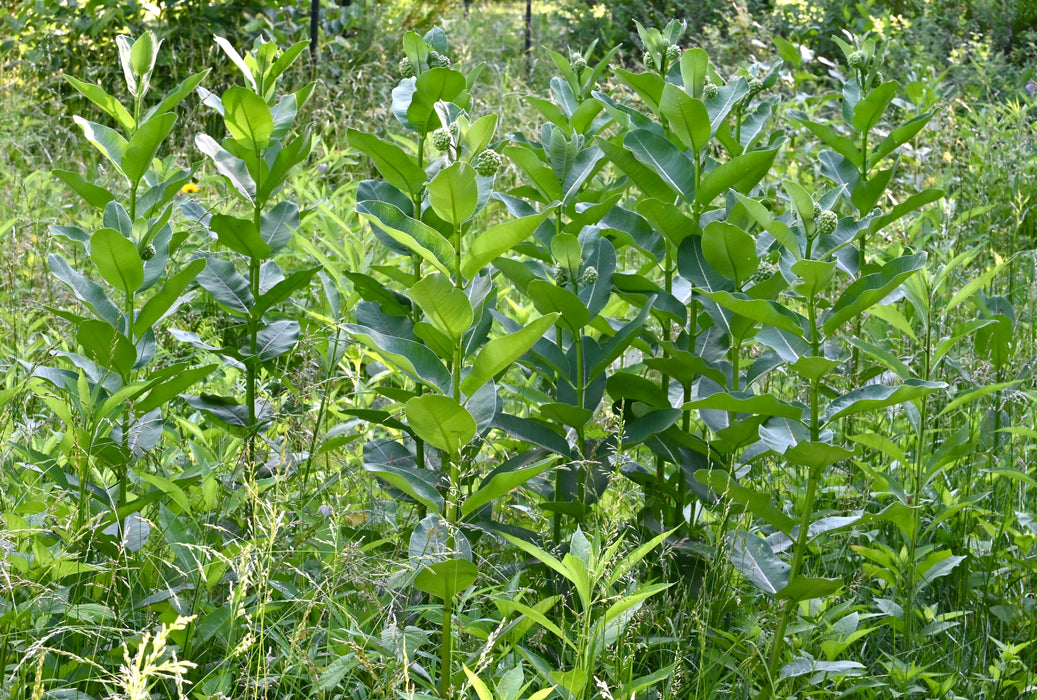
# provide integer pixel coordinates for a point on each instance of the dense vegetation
(697, 365)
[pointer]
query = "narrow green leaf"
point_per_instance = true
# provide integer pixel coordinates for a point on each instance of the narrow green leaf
(231, 167)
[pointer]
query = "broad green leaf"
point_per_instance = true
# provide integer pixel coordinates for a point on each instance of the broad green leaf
(730, 250)
(278, 225)
(432, 86)
(413, 358)
(236, 59)
(446, 306)
(899, 136)
(755, 559)
(108, 141)
(163, 300)
(117, 260)
(231, 167)
(741, 402)
(392, 162)
(694, 69)
(441, 422)
(497, 240)
(741, 174)
(871, 289)
(762, 311)
(283, 289)
(842, 145)
(240, 235)
(423, 240)
(165, 388)
(648, 86)
(815, 275)
(686, 116)
(95, 196)
(411, 481)
(85, 289)
(868, 112)
(805, 588)
(144, 145)
(643, 176)
(275, 339)
(111, 106)
(143, 54)
(248, 118)
(106, 347)
(780, 230)
(758, 504)
(453, 193)
(226, 285)
(445, 579)
(816, 455)
(502, 482)
(559, 303)
(874, 396)
(664, 159)
(176, 95)
(499, 353)
(543, 178)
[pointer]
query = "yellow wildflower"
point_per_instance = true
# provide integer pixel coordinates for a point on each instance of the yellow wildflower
(189, 188)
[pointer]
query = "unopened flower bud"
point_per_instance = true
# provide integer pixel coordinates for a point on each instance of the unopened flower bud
(649, 61)
(561, 274)
(148, 253)
(406, 68)
(589, 276)
(578, 62)
(673, 53)
(817, 210)
(488, 163)
(826, 222)
(755, 87)
(438, 60)
(856, 60)
(709, 91)
(441, 140)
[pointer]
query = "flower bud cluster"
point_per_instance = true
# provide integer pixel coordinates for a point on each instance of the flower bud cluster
(826, 222)
(488, 163)
(438, 60)
(709, 91)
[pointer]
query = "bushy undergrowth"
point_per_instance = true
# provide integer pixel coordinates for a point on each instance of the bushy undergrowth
(700, 372)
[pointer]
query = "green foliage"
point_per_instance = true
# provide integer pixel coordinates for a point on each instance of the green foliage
(682, 381)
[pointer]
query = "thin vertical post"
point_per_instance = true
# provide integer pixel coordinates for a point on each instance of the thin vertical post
(314, 25)
(529, 27)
